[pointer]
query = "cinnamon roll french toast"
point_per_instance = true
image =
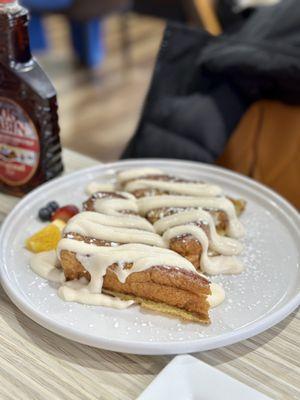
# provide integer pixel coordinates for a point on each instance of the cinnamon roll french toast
(132, 264)
(147, 239)
(146, 182)
(194, 226)
(191, 216)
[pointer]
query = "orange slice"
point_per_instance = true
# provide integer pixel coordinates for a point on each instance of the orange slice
(45, 240)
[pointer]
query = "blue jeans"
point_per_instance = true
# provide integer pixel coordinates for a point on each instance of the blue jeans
(87, 38)
(45, 5)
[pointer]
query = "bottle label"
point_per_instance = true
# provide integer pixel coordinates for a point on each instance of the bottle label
(19, 144)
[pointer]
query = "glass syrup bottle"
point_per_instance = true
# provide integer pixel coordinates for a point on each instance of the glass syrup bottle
(30, 150)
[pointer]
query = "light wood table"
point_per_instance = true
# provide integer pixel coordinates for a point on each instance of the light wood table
(38, 364)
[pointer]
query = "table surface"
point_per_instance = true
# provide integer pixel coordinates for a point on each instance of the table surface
(38, 364)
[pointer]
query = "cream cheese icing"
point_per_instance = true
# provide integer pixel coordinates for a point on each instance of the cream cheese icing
(218, 243)
(143, 257)
(144, 247)
(184, 188)
(121, 220)
(176, 224)
(95, 230)
(46, 265)
(94, 187)
(235, 228)
(114, 206)
(120, 230)
(129, 174)
(210, 265)
(217, 295)
(79, 291)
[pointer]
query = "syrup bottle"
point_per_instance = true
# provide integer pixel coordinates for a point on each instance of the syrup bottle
(30, 150)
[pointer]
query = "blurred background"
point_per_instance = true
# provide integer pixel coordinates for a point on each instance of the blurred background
(100, 68)
(100, 56)
(233, 101)
(99, 105)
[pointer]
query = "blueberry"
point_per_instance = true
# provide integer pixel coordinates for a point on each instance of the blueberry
(45, 214)
(53, 206)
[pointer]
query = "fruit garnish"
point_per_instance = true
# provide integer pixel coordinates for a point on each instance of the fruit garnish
(59, 223)
(45, 240)
(65, 213)
(53, 205)
(46, 212)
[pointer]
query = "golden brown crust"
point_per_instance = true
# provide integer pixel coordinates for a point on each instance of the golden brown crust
(73, 269)
(163, 308)
(171, 286)
(188, 247)
(165, 275)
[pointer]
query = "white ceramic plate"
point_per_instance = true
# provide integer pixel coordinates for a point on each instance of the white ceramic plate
(257, 299)
(187, 378)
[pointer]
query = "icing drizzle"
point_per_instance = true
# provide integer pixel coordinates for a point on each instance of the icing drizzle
(139, 242)
(184, 188)
(235, 228)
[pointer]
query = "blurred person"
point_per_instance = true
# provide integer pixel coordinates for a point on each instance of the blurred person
(231, 99)
(86, 36)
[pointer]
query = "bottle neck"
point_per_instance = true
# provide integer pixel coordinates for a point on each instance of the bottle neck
(14, 36)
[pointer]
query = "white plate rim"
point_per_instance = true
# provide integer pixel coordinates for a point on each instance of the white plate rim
(153, 348)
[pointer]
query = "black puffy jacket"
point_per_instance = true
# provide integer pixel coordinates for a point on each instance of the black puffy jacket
(202, 85)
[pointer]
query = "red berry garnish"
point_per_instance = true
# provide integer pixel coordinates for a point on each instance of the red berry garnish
(65, 213)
